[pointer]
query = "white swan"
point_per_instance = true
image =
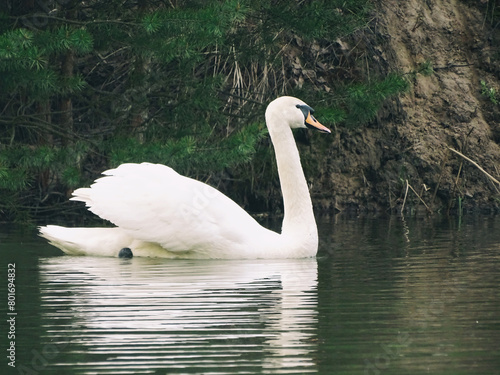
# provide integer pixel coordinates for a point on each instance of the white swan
(159, 213)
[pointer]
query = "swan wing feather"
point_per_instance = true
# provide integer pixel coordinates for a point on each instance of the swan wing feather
(153, 203)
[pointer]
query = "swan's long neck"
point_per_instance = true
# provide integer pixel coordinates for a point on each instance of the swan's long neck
(298, 223)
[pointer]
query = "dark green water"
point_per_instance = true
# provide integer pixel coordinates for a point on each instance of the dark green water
(385, 296)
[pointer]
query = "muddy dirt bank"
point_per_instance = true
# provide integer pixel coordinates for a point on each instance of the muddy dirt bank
(406, 152)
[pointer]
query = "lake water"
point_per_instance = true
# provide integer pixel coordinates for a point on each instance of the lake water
(384, 296)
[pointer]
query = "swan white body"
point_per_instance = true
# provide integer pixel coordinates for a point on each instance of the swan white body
(159, 213)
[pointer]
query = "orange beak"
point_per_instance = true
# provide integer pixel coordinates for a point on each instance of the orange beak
(312, 123)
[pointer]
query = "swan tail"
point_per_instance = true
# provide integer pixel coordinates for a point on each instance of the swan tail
(86, 241)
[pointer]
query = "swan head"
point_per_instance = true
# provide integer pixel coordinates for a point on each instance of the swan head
(295, 113)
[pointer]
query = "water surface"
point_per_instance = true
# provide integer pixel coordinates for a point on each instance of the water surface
(384, 296)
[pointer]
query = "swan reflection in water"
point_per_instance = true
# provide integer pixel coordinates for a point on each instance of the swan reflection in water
(142, 314)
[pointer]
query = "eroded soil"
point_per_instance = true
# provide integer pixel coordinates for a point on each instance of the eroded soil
(406, 152)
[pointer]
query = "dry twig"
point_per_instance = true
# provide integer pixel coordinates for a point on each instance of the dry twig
(476, 165)
(419, 197)
(404, 200)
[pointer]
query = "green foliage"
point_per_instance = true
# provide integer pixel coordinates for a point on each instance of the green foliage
(24, 61)
(356, 104)
(181, 83)
(64, 38)
(489, 92)
(189, 152)
(183, 33)
(329, 19)
(29, 175)
(364, 100)
(426, 68)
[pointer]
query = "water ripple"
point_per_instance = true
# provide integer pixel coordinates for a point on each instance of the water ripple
(152, 316)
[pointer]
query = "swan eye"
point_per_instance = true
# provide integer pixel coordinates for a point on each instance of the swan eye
(306, 110)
